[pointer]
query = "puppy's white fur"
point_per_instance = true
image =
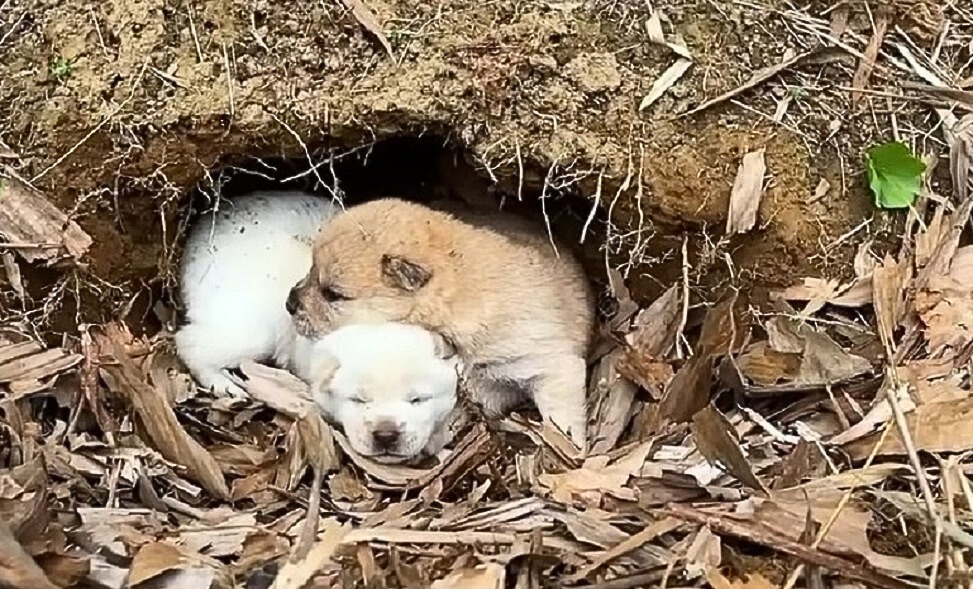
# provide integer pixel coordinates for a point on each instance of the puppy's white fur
(238, 267)
(392, 376)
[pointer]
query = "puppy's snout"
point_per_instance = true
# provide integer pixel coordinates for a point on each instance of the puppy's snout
(293, 302)
(385, 436)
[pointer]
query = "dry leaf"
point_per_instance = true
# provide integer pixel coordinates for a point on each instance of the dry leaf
(704, 552)
(816, 291)
(935, 427)
(961, 156)
(160, 565)
(157, 416)
(294, 575)
(753, 580)
(14, 277)
(961, 270)
(26, 366)
(665, 81)
(787, 511)
(597, 478)
(748, 188)
(821, 191)
(611, 396)
(367, 19)
(28, 217)
(715, 441)
(822, 360)
(767, 367)
(654, 328)
(867, 63)
(278, 389)
(17, 569)
(946, 309)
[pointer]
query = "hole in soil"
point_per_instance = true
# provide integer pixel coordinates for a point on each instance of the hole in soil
(125, 279)
(420, 169)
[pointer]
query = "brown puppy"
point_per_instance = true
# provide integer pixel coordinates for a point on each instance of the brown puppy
(519, 314)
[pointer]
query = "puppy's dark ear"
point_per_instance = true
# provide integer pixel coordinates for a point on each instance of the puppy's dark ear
(402, 273)
(442, 347)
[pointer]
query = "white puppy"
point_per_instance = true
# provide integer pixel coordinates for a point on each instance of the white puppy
(391, 387)
(238, 267)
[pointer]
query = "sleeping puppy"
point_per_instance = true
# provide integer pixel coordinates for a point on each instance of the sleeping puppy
(390, 386)
(520, 316)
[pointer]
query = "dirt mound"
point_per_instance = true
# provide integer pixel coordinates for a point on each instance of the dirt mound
(121, 111)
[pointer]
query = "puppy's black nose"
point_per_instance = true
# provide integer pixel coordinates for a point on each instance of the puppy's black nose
(292, 302)
(385, 436)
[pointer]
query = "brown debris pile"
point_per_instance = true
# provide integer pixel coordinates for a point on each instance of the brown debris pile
(784, 445)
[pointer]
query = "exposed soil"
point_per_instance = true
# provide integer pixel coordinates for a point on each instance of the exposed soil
(121, 111)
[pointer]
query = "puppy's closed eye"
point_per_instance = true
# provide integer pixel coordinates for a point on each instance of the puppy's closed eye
(333, 295)
(418, 399)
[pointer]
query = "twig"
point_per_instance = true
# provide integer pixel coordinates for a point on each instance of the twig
(520, 171)
(192, 31)
(229, 81)
(628, 582)
(310, 530)
(20, 245)
(595, 203)
(543, 198)
(759, 77)
(910, 448)
(684, 318)
(307, 154)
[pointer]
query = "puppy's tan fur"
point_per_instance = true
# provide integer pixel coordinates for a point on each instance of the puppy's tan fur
(520, 315)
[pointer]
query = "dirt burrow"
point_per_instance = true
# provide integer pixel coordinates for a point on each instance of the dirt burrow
(121, 111)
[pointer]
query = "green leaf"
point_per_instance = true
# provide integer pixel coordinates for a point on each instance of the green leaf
(894, 175)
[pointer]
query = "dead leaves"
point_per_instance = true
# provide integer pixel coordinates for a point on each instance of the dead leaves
(17, 569)
(166, 565)
(155, 414)
(716, 441)
(597, 478)
(27, 368)
(38, 228)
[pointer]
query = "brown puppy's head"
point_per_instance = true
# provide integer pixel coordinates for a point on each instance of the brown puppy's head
(371, 264)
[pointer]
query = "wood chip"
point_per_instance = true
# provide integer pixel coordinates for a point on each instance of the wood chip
(748, 189)
(28, 217)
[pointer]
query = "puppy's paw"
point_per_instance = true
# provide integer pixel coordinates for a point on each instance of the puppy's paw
(220, 383)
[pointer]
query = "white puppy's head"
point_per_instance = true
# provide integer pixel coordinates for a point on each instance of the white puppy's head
(390, 386)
